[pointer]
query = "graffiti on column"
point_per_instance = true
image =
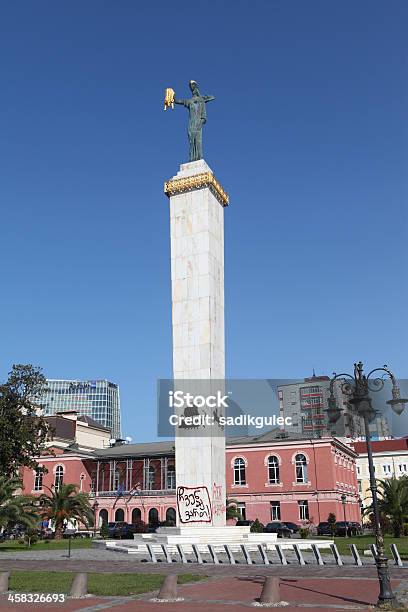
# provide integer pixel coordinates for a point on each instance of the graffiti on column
(218, 504)
(193, 505)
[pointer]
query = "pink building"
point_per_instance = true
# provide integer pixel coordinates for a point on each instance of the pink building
(271, 478)
(300, 481)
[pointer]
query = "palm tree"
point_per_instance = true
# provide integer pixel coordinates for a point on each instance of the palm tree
(393, 502)
(16, 509)
(232, 510)
(65, 504)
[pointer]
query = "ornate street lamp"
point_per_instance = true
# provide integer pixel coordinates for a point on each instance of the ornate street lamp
(357, 387)
(95, 509)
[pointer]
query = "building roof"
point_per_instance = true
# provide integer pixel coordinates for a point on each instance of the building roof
(311, 379)
(144, 449)
(156, 449)
(380, 446)
(91, 422)
(62, 428)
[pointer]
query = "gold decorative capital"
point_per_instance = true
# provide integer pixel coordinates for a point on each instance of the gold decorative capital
(197, 181)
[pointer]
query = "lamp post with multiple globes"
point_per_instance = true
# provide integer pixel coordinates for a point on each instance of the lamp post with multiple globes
(358, 387)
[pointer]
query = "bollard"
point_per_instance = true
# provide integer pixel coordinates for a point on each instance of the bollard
(395, 554)
(213, 554)
(281, 554)
(264, 554)
(166, 553)
(336, 554)
(299, 555)
(151, 552)
(270, 591)
(247, 556)
(4, 582)
(79, 586)
(180, 551)
(317, 554)
(168, 589)
(374, 551)
(230, 554)
(197, 553)
(355, 554)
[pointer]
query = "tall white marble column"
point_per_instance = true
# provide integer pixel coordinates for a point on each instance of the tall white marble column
(197, 204)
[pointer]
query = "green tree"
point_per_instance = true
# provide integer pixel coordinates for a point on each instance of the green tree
(304, 533)
(104, 530)
(66, 504)
(232, 511)
(331, 519)
(16, 509)
(30, 536)
(23, 432)
(393, 502)
(257, 526)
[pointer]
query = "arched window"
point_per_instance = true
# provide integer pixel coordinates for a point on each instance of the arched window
(273, 470)
(171, 477)
(38, 479)
(153, 517)
(239, 471)
(301, 468)
(59, 477)
(119, 514)
(103, 517)
(171, 516)
(136, 515)
(151, 478)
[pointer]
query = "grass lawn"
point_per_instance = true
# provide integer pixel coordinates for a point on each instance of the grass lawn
(14, 545)
(363, 543)
(98, 584)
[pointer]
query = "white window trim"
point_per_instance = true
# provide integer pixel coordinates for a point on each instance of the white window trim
(239, 457)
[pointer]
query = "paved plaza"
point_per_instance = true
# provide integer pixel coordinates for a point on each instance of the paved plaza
(239, 592)
(224, 586)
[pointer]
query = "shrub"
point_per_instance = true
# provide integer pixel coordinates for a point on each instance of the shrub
(30, 537)
(104, 530)
(304, 533)
(331, 519)
(257, 527)
(139, 527)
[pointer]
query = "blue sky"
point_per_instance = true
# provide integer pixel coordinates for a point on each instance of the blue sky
(308, 134)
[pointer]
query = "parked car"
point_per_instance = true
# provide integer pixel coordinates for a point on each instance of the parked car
(350, 527)
(279, 528)
(120, 530)
(13, 533)
(243, 523)
(292, 526)
(356, 528)
(324, 528)
(47, 534)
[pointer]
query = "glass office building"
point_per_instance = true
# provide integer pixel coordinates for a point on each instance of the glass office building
(98, 399)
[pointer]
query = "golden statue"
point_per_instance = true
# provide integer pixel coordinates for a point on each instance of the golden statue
(169, 98)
